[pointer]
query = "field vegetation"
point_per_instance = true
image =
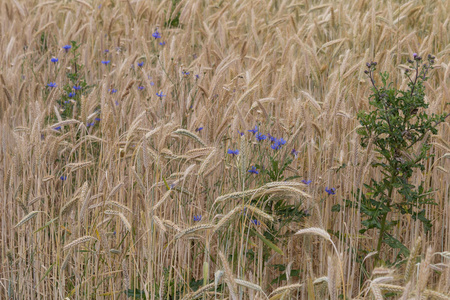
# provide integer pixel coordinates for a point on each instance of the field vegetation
(218, 150)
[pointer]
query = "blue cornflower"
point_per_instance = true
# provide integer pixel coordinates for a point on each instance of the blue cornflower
(156, 34)
(160, 95)
(331, 191)
(295, 153)
(306, 182)
(106, 50)
(52, 84)
(57, 128)
(233, 152)
(256, 222)
(254, 130)
(277, 143)
(162, 43)
(197, 76)
(241, 133)
(63, 178)
(275, 146)
(152, 83)
(140, 64)
(198, 129)
(260, 137)
(186, 73)
(71, 95)
(141, 88)
(253, 170)
(97, 119)
(54, 60)
(197, 218)
(272, 138)
(113, 91)
(106, 62)
(77, 87)
(67, 47)
(90, 124)
(117, 102)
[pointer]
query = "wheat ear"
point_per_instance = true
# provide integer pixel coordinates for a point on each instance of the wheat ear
(332, 289)
(78, 241)
(193, 229)
(325, 235)
(412, 257)
(121, 216)
(191, 135)
(229, 278)
(283, 289)
(424, 272)
(198, 292)
(27, 218)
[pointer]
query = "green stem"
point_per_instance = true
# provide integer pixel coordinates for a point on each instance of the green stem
(383, 221)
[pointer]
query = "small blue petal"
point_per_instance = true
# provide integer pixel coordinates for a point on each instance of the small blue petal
(253, 170)
(156, 34)
(255, 130)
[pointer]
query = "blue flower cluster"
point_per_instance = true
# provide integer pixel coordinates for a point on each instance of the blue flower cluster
(330, 191)
(256, 222)
(233, 152)
(197, 218)
(277, 143)
(253, 170)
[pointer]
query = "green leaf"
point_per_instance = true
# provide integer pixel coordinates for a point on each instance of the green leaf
(46, 225)
(396, 244)
(135, 294)
(46, 273)
(336, 208)
(267, 242)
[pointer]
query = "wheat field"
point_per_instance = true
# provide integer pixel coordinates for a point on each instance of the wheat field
(129, 169)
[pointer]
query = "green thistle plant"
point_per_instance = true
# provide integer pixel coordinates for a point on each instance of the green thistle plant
(398, 130)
